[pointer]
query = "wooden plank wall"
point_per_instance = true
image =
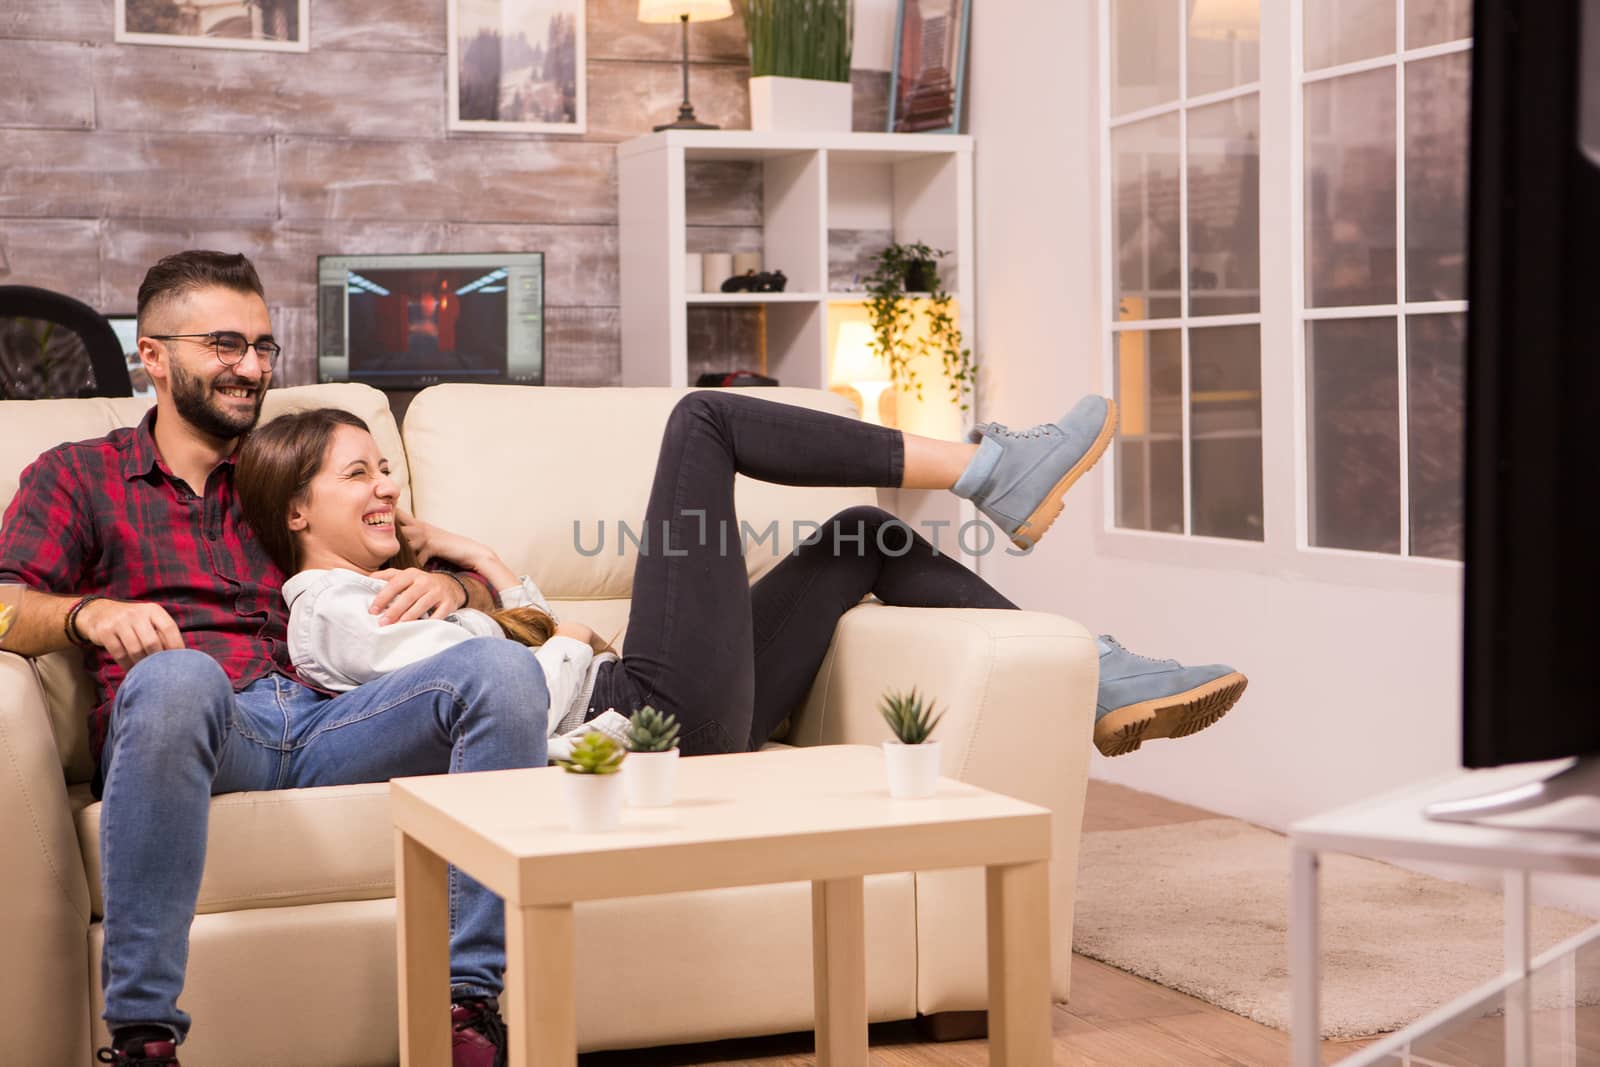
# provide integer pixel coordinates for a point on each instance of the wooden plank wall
(113, 155)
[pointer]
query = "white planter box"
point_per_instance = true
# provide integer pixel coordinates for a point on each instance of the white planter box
(594, 801)
(796, 104)
(650, 779)
(913, 769)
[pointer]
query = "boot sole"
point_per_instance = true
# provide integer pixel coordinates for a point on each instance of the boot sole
(1124, 730)
(1026, 535)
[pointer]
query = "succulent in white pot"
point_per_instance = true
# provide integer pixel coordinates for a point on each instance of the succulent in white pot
(650, 777)
(593, 786)
(799, 63)
(911, 760)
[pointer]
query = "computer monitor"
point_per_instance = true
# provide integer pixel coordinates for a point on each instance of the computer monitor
(126, 327)
(410, 321)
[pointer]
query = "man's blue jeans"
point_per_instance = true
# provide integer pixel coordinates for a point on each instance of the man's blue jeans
(179, 734)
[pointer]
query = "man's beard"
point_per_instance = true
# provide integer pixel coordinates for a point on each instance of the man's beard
(191, 395)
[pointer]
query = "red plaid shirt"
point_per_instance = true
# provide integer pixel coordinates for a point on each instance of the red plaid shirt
(108, 516)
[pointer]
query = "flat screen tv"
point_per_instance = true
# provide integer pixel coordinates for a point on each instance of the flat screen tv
(409, 321)
(1531, 645)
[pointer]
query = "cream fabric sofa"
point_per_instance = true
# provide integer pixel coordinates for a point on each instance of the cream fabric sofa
(295, 931)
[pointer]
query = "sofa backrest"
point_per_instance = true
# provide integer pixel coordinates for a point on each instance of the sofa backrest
(516, 468)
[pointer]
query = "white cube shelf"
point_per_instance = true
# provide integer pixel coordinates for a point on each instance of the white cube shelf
(918, 187)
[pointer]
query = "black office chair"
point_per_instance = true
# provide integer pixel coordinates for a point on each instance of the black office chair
(52, 345)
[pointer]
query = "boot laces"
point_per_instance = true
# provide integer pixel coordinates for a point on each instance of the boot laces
(999, 429)
(1120, 647)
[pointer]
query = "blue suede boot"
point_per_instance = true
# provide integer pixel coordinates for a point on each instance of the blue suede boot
(1018, 477)
(1142, 698)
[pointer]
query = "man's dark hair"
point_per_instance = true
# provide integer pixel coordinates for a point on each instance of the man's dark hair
(182, 273)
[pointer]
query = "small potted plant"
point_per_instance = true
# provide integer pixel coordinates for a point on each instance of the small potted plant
(650, 776)
(799, 63)
(912, 760)
(900, 270)
(593, 786)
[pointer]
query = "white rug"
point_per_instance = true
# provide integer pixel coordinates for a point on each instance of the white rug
(1202, 907)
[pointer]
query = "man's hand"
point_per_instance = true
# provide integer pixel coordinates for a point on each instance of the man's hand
(128, 631)
(414, 594)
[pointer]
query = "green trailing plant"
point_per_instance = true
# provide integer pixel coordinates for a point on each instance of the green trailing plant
(894, 318)
(799, 38)
(652, 731)
(908, 716)
(594, 754)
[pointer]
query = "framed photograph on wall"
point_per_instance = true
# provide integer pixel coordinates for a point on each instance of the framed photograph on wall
(257, 25)
(930, 65)
(517, 65)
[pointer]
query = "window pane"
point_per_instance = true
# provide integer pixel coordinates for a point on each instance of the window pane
(1224, 44)
(1343, 31)
(1225, 428)
(1436, 391)
(1144, 53)
(1149, 373)
(1350, 186)
(1225, 208)
(1438, 92)
(1144, 179)
(1353, 411)
(1437, 21)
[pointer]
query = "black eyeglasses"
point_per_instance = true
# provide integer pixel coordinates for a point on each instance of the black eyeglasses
(229, 346)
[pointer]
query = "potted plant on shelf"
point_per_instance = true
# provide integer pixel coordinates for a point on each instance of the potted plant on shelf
(593, 786)
(912, 761)
(650, 776)
(799, 63)
(899, 271)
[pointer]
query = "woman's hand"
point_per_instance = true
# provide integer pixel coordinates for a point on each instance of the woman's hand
(433, 542)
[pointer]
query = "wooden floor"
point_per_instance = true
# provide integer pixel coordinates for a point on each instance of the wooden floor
(1113, 1020)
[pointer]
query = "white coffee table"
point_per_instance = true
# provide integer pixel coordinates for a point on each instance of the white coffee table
(821, 815)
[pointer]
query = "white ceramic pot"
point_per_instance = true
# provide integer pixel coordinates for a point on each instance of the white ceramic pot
(650, 779)
(913, 769)
(594, 801)
(799, 104)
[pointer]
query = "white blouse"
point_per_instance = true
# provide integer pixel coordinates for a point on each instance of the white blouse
(337, 643)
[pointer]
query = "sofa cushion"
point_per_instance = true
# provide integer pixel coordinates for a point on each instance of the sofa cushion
(516, 468)
(281, 848)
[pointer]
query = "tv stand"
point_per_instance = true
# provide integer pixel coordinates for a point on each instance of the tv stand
(1392, 827)
(1580, 778)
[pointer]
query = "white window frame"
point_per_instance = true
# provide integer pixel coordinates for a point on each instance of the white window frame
(1285, 549)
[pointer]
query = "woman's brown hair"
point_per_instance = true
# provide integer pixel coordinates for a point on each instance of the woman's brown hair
(275, 468)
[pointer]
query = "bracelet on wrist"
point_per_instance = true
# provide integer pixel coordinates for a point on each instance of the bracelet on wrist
(466, 596)
(70, 625)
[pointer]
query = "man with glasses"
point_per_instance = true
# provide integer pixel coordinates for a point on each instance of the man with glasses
(135, 550)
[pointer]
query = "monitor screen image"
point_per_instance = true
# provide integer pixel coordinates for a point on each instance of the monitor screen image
(410, 321)
(126, 328)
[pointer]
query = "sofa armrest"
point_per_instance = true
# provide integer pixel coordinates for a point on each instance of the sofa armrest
(1018, 693)
(1016, 688)
(44, 898)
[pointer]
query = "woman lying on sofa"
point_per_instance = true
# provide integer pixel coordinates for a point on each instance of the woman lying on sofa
(729, 659)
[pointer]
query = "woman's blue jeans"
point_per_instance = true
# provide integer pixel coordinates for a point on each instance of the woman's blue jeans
(179, 734)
